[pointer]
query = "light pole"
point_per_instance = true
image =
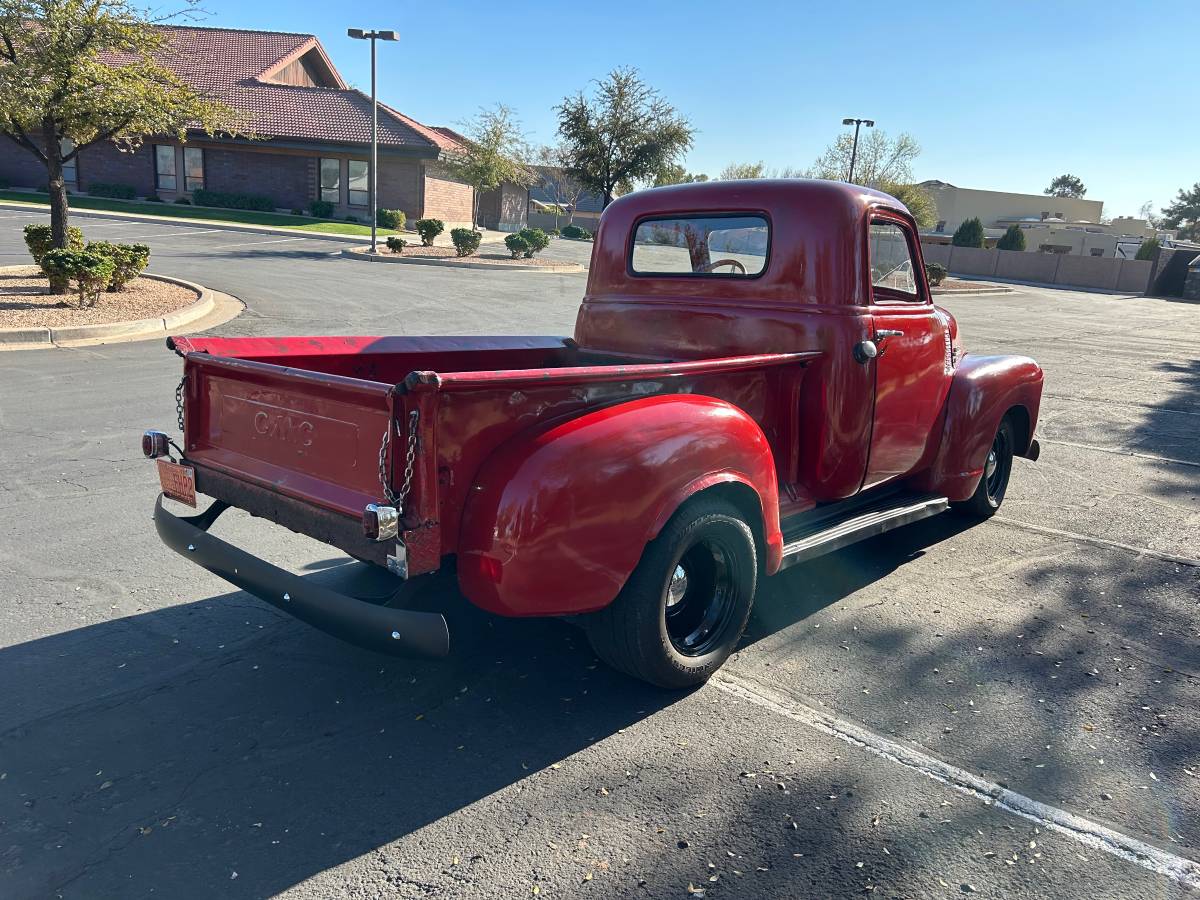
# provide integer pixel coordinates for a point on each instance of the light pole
(373, 173)
(857, 123)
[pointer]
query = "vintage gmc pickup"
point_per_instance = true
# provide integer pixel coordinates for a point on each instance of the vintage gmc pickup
(757, 376)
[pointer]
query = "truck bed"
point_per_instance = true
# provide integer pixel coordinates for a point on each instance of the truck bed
(293, 429)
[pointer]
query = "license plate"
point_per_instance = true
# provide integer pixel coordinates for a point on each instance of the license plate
(178, 482)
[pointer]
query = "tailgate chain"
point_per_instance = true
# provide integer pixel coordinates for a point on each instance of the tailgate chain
(179, 395)
(410, 455)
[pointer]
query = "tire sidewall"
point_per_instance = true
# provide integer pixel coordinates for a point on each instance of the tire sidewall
(736, 539)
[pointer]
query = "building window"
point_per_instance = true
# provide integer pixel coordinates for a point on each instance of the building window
(193, 169)
(1059, 215)
(941, 226)
(70, 169)
(1097, 251)
(358, 182)
(164, 167)
(331, 180)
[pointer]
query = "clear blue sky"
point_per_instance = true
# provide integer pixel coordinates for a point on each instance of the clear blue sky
(1001, 95)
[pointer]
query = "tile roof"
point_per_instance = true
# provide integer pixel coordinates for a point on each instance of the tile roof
(236, 66)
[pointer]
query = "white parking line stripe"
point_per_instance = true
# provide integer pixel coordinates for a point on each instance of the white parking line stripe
(254, 243)
(135, 237)
(1090, 834)
(1119, 452)
(1100, 542)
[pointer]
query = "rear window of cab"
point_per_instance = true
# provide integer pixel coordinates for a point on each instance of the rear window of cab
(705, 245)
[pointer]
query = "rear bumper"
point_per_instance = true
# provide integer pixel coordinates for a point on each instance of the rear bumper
(396, 632)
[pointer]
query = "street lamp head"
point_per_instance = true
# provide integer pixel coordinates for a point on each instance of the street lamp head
(870, 123)
(356, 33)
(847, 121)
(389, 35)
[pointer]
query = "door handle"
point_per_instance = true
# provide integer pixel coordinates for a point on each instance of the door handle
(887, 333)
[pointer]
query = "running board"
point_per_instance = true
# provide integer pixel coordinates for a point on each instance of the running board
(867, 524)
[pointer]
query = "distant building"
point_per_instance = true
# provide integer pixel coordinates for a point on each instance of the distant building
(1051, 224)
(312, 136)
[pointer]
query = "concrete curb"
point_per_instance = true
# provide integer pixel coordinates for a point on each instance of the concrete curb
(455, 263)
(969, 291)
(155, 327)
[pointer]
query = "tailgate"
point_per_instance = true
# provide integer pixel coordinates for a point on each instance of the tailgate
(308, 435)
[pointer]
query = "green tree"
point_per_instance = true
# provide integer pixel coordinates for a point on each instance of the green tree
(495, 143)
(1013, 239)
(969, 234)
(1184, 213)
(625, 132)
(734, 171)
(1066, 186)
(918, 200)
(674, 173)
(74, 73)
(881, 159)
(1148, 250)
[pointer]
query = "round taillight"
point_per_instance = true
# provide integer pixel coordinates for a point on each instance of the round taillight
(155, 444)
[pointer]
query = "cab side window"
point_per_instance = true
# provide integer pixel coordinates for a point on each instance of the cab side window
(892, 273)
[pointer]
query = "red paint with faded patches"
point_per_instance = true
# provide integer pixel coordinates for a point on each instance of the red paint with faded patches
(546, 464)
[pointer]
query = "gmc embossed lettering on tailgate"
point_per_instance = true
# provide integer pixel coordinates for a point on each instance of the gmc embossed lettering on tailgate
(275, 433)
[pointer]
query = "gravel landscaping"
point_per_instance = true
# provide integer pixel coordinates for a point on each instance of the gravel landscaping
(492, 259)
(25, 303)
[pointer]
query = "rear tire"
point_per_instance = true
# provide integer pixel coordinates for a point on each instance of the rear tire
(997, 470)
(685, 606)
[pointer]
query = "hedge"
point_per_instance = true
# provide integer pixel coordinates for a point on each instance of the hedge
(228, 200)
(116, 191)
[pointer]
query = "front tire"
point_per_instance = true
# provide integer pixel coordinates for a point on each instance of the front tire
(997, 470)
(685, 606)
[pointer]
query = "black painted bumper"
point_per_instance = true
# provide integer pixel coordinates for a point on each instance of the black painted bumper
(397, 632)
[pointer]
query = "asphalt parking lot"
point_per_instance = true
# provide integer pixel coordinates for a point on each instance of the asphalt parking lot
(164, 735)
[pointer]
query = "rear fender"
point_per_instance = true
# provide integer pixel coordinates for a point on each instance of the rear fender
(557, 520)
(982, 390)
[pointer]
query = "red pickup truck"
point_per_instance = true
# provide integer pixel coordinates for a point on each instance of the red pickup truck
(758, 376)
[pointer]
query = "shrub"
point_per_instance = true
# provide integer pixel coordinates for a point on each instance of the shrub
(128, 261)
(396, 244)
(154, 198)
(297, 211)
(390, 218)
(969, 234)
(466, 240)
(428, 229)
(1013, 239)
(538, 241)
(183, 201)
(116, 191)
(575, 233)
(321, 209)
(517, 244)
(39, 240)
(1148, 250)
(936, 273)
(351, 218)
(230, 200)
(91, 272)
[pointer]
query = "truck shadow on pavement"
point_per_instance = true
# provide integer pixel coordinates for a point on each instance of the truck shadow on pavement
(219, 748)
(171, 749)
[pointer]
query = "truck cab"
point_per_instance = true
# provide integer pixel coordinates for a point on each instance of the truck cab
(758, 375)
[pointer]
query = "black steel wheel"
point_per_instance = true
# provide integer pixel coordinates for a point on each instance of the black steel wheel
(997, 469)
(685, 606)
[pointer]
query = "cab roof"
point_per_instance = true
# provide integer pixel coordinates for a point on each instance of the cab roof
(818, 233)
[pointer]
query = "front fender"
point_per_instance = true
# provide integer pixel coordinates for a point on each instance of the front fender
(982, 390)
(557, 520)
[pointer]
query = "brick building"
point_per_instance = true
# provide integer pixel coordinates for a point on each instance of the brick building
(311, 136)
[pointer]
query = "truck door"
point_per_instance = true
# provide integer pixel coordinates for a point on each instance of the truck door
(912, 369)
